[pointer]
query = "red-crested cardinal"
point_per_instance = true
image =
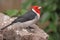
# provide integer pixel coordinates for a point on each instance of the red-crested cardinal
(31, 17)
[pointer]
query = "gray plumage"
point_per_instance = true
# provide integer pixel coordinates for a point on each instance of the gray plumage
(26, 17)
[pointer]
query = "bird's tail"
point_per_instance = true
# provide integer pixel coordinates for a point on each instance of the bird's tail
(6, 26)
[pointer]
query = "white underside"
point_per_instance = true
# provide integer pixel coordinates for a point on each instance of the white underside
(28, 23)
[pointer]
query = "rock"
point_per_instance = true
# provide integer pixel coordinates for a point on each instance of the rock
(17, 32)
(5, 20)
(1, 36)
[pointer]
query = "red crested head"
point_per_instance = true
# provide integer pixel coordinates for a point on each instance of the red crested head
(36, 9)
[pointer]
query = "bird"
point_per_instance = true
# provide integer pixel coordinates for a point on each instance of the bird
(29, 18)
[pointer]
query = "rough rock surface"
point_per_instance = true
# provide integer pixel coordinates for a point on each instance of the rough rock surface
(16, 32)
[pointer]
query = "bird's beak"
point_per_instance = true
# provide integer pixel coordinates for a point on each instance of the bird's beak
(39, 7)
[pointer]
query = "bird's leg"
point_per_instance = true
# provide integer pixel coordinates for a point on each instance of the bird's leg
(30, 29)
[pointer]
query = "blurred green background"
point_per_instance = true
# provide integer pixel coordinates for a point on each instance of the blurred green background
(50, 15)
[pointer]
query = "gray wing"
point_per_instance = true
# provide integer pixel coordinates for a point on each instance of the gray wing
(26, 17)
